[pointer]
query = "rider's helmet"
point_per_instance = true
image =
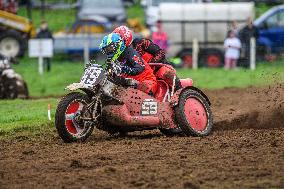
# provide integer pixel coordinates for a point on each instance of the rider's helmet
(125, 33)
(112, 45)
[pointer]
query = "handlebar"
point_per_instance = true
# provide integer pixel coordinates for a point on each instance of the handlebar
(118, 79)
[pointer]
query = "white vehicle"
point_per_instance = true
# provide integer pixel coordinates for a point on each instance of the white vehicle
(151, 8)
(208, 23)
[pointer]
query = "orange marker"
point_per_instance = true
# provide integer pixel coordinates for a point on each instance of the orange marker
(48, 112)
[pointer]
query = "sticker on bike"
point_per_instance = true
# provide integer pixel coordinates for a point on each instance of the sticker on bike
(149, 107)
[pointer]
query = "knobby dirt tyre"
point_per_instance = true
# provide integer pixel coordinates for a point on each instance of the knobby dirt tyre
(70, 105)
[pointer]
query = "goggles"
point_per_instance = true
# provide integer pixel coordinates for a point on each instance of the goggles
(110, 49)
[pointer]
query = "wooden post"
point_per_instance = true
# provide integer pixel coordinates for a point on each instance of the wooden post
(86, 50)
(252, 53)
(40, 59)
(40, 65)
(195, 50)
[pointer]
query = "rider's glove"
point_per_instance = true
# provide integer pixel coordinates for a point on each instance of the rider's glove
(125, 70)
(116, 69)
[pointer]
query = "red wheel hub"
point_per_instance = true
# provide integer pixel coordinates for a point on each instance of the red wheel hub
(213, 60)
(72, 110)
(187, 60)
(195, 113)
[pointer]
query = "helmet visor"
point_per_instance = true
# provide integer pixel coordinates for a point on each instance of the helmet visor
(109, 50)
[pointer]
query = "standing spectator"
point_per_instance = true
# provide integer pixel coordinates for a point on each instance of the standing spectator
(235, 28)
(232, 50)
(44, 33)
(246, 34)
(160, 37)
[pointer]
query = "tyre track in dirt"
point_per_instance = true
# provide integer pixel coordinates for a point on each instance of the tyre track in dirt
(245, 150)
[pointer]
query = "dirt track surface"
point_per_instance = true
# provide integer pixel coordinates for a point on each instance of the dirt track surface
(246, 150)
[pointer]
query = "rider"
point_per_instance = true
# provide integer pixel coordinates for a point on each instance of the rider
(150, 52)
(154, 54)
(129, 62)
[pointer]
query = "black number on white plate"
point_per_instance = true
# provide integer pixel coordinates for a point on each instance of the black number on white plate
(91, 75)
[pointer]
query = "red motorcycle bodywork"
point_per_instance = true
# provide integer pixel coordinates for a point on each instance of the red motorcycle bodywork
(130, 114)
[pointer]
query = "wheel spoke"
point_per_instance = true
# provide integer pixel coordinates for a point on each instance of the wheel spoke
(69, 116)
(73, 110)
(78, 129)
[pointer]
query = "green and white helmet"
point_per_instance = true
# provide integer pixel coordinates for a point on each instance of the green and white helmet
(112, 45)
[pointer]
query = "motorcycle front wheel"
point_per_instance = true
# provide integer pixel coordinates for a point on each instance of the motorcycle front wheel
(68, 122)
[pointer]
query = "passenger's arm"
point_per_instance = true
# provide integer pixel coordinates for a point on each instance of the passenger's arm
(135, 65)
(153, 49)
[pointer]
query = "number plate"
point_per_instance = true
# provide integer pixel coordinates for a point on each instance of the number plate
(91, 75)
(149, 107)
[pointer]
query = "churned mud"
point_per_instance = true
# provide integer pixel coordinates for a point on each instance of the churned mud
(245, 150)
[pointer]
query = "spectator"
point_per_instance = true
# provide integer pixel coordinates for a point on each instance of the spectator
(246, 34)
(44, 33)
(160, 37)
(232, 50)
(235, 28)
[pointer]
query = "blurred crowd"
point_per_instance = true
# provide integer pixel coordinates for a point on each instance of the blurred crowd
(239, 41)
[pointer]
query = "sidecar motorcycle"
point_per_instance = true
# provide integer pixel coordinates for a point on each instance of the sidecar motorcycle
(114, 104)
(12, 84)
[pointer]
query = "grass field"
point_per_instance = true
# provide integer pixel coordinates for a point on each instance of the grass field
(25, 115)
(65, 72)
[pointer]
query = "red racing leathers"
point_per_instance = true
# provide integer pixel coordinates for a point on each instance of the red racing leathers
(152, 53)
(133, 66)
(149, 51)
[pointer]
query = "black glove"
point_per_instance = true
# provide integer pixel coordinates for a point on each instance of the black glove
(116, 69)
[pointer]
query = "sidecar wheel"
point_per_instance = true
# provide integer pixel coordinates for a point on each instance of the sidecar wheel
(193, 114)
(68, 127)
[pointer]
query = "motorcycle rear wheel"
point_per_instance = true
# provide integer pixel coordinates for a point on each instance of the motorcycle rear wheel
(68, 127)
(193, 114)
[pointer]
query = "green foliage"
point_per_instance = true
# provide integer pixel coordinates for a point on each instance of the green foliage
(57, 19)
(136, 11)
(261, 8)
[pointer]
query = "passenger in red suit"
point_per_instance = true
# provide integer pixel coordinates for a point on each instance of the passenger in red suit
(151, 53)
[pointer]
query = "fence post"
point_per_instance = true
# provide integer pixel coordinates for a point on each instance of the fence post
(40, 65)
(252, 53)
(86, 49)
(40, 58)
(195, 50)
